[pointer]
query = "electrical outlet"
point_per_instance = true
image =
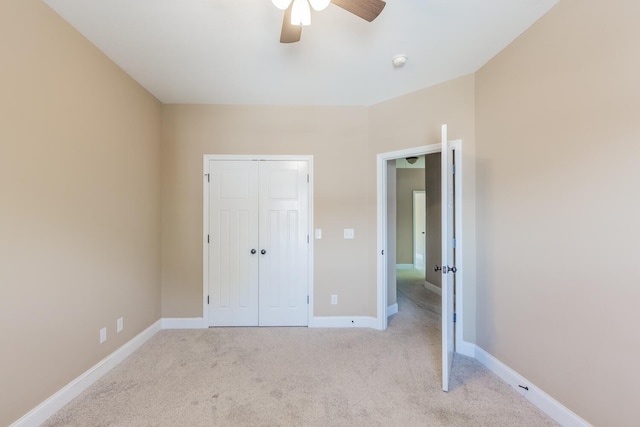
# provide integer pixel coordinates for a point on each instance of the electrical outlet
(120, 325)
(103, 335)
(334, 299)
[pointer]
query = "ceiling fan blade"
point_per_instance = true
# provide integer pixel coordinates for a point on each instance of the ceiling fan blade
(365, 9)
(290, 33)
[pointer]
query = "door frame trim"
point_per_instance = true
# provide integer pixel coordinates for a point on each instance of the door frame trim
(381, 166)
(205, 221)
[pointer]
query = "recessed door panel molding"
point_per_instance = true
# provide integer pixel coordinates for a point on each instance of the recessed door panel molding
(256, 226)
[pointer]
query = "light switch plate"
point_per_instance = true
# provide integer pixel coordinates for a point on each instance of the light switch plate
(349, 233)
(318, 233)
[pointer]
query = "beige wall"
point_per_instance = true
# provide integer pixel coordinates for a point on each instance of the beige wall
(558, 152)
(414, 120)
(79, 205)
(407, 181)
(433, 176)
(343, 195)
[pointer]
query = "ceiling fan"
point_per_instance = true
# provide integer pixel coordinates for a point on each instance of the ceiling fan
(297, 13)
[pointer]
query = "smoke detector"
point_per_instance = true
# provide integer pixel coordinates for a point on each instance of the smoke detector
(399, 61)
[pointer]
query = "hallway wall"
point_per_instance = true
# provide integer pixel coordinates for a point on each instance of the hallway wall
(433, 178)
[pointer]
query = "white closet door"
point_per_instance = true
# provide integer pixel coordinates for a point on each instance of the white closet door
(284, 240)
(233, 228)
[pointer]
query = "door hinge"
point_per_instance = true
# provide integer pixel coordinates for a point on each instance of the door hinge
(307, 299)
(207, 238)
(307, 178)
(308, 238)
(207, 299)
(207, 177)
(382, 252)
(454, 317)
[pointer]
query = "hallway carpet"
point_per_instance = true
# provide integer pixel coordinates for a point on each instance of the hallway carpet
(303, 377)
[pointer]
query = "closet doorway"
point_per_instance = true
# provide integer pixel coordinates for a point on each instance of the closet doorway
(257, 246)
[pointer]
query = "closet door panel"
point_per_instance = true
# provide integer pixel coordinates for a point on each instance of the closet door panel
(233, 229)
(283, 236)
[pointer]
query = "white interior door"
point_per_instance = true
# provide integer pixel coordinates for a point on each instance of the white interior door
(448, 258)
(233, 235)
(284, 243)
(419, 230)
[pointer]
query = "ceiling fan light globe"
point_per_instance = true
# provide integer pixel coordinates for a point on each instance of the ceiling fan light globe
(319, 5)
(300, 13)
(281, 4)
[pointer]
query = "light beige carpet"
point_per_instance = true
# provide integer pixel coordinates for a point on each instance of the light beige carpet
(302, 377)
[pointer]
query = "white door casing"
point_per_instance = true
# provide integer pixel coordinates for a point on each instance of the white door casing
(259, 205)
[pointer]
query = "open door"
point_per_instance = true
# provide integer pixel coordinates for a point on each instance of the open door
(448, 258)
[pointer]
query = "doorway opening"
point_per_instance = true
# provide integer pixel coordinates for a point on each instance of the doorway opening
(416, 204)
(451, 264)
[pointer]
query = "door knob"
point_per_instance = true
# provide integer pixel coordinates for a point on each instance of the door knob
(253, 251)
(437, 268)
(263, 252)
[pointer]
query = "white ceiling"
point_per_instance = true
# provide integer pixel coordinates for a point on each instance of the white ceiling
(228, 51)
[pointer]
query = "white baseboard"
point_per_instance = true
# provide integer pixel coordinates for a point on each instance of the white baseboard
(404, 266)
(392, 309)
(344, 322)
(539, 398)
(466, 348)
(183, 323)
(53, 404)
(433, 288)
